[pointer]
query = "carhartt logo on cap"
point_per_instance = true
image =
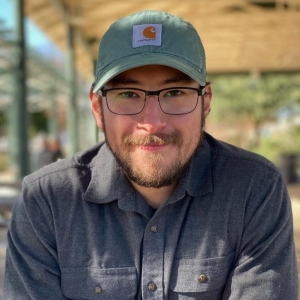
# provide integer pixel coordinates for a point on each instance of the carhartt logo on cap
(149, 32)
(146, 35)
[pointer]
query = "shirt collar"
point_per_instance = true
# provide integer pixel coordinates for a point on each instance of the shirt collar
(106, 178)
(198, 180)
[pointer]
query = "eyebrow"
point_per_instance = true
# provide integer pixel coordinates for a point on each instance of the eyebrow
(120, 80)
(178, 78)
(123, 80)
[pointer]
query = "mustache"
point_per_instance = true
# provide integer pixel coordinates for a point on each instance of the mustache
(157, 138)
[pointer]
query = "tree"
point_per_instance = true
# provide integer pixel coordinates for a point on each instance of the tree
(256, 99)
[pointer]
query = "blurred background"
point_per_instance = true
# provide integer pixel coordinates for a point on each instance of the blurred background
(48, 51)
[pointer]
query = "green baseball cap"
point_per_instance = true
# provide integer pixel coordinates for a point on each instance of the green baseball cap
(150, 38)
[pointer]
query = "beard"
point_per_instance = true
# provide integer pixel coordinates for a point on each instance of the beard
(157, 174)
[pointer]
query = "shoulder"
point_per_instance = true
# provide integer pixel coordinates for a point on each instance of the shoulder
(233, 167)
(240, 157)
(65, 174)
(246, 182)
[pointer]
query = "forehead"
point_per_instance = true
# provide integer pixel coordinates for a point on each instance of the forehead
(152, 74)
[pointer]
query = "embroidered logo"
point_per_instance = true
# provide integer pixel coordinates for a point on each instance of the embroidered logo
(146, 34)
(149, 32)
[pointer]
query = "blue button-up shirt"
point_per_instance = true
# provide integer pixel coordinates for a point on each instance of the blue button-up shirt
(82, 232)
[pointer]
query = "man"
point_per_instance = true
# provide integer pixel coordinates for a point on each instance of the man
(161, 210)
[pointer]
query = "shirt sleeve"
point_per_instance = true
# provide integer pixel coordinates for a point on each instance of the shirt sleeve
(266, 267)
(32, 270)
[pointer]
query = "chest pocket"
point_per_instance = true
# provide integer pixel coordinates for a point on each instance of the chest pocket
(201, 279)
(96, 283)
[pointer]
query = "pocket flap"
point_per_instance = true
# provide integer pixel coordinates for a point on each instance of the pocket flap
(96, 283)
(192, 275)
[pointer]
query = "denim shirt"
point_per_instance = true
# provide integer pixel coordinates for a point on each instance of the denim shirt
(82, 232)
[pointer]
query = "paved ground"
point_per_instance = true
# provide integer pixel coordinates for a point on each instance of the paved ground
(294, 191)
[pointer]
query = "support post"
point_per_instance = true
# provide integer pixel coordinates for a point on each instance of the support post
(20, 92)
(73, 132)
(12, 136)
(52, 118)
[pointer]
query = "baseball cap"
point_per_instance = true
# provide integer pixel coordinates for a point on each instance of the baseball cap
(150, 37)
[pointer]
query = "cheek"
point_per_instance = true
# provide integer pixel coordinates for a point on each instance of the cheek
(117, 126)
(191, 130)
(189, 124)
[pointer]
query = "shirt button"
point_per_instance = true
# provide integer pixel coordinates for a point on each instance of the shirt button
(98, 290)
(152, 286)
(153, 228)
(202, 278)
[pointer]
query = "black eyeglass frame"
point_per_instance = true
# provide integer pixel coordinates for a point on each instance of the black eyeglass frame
(201, 92)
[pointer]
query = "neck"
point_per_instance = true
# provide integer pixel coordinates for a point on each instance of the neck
(155, 197)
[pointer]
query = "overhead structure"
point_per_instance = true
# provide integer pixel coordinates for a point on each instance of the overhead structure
(43, 76)
(238, 35)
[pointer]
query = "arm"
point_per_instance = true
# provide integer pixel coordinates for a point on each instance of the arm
(32, 269)
(266, 267)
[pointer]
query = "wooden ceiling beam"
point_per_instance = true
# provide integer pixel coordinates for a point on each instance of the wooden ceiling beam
(67, 18)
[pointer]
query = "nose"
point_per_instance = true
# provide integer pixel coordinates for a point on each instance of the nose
(152, 119)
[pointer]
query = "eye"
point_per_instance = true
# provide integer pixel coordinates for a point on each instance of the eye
(173, 93)
(127, 95)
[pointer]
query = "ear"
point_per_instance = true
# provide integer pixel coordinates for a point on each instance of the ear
(207, 99)
(96, 108)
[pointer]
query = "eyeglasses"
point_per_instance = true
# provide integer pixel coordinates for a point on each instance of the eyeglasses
(172, 101)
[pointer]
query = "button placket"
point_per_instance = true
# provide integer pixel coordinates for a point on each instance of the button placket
(153, 257)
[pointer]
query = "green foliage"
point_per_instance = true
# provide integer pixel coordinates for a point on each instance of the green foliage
(3, 161)
(280, 144)
(38, 122)
(268, 148)
(259, 100)
(3, 122)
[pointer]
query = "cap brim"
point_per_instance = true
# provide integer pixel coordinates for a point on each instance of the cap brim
(139, 60)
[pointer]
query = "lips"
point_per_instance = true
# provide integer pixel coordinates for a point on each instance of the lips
(152, 146)
(153, 140)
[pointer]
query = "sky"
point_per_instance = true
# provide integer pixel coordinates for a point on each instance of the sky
(35, 38)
